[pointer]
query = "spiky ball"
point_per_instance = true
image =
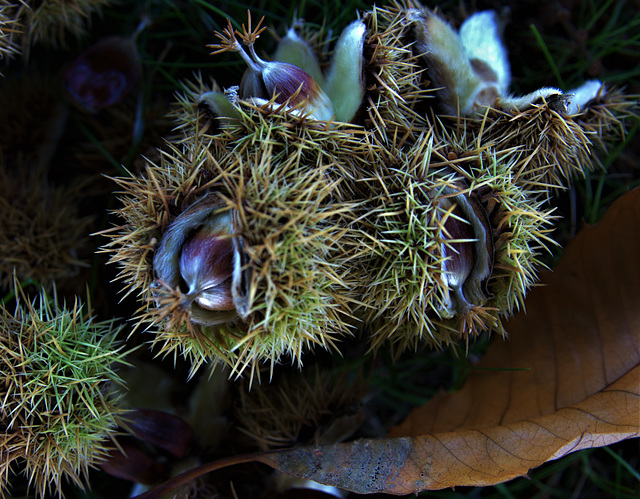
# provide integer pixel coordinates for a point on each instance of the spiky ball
(454, 243)
(42, 235)
(58, 407)
(277, 178)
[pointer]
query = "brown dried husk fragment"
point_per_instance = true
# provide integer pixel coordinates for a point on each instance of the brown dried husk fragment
(42, 235)
(318, 406)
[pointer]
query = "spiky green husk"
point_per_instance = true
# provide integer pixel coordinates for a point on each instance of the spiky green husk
(281, 179)
(522, 222)
(406, 292)
(393, 74)
(58, 407)
(516, 207)
(553, 147)
(405, 282)
(42, 236)
(291, 234)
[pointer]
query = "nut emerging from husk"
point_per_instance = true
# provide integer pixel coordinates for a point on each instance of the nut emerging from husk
(453, 243)
(236, 240)
(198, 251)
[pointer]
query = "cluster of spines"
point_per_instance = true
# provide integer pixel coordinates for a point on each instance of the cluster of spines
(290, 231)
(189, 114)
(41, 233)
(403, 272)
(59, 407)
(554, 148)
(605, 119)
(403, 276)
(517, 208)
(521, 221)
(394, 79)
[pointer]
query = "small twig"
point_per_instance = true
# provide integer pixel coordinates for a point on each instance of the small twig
(189, 475)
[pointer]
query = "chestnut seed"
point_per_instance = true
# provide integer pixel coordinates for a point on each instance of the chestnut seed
(206, 265)
(104, 74)
(197, 251)
(161, 429)
(467, 251)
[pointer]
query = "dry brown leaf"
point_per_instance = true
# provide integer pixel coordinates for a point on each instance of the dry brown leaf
(568, 378)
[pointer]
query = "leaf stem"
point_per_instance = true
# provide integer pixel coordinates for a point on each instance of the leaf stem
(197, 472)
